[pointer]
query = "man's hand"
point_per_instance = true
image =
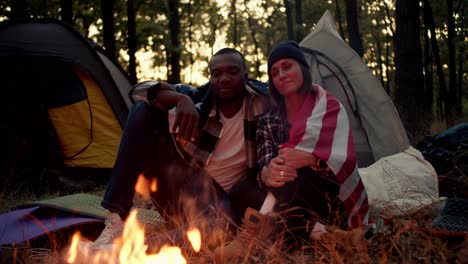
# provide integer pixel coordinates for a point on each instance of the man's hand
(276, 174)
(186, 119)
(296, 159)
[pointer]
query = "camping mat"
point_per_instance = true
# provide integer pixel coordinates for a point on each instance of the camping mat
(26, 224)
(90, 205)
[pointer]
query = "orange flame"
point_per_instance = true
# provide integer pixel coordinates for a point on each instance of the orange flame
(142, 187)
(73, 252)
(154, 185)
(128, 249)
(194, 237)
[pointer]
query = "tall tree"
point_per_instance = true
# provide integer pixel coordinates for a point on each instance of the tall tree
(19, 9)
(339, 19)
(428, 69)
(253, 28)
(451, 62)
(461, 53)
(289, 19)
(174, 48)
(233, 14)
(299, 27)
(443, 105)
(355, 40)
(409, 93)
(131, 40)
(66, 11)
(108, 28)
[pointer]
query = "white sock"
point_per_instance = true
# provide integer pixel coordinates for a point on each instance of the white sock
(268, 204)
(318, 230)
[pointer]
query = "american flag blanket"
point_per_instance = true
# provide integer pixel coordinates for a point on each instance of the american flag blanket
(321, 127)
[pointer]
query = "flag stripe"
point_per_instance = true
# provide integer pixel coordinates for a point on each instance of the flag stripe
(340, 154)
(327, 132)
(322, 128)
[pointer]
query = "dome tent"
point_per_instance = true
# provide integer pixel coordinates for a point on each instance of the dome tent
(377, 129)
(64, 102)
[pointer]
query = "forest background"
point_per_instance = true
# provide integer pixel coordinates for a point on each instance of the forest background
(415, 48)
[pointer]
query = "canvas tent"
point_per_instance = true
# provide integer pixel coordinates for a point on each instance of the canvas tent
(377, 128)
(64, 102)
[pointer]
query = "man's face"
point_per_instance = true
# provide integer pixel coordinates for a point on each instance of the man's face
(227, 76)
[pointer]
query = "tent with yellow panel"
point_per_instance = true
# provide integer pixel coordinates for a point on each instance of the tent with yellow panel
(63, 106)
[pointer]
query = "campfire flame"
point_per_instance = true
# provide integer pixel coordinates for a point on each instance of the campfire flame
(194, 237)
(144, 187)
(130, 247)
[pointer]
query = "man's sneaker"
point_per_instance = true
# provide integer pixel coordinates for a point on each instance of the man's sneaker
(112, 230)
(256, 230)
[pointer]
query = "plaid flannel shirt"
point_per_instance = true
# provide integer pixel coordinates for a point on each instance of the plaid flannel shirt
(198, 153)
(272, 131)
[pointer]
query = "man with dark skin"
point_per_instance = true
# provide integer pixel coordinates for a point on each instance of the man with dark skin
(207, 168)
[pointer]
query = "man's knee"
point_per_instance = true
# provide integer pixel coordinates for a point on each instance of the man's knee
(143, 115)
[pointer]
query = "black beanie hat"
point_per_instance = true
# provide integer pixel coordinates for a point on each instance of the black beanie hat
(286, 49)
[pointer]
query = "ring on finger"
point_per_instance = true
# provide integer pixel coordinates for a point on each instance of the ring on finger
(281, 173)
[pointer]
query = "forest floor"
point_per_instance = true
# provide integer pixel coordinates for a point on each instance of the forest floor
(404, 239)
(408, 238)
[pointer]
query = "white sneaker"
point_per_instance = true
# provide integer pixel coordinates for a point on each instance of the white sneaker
(114, 229)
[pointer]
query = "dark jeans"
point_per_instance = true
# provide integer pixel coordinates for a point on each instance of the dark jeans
(147, 148)
(313, 190)
(312, 197)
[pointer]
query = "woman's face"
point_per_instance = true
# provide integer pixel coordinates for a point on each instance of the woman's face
(287, 76)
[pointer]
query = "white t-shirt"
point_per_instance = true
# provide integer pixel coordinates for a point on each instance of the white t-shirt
(227, 164)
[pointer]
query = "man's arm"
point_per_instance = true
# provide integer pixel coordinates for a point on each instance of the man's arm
(187, 116)
(163, 96)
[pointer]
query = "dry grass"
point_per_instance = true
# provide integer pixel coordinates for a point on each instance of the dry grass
(404, 239)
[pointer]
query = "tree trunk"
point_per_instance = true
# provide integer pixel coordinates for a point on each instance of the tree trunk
(451, 63)
(108, 28)
(442, 101)
(250, 22)
(190, 38)
(174, 48)
(355, 40)
(379, 58)
(378, 47)
(387, 62)
(339, 19)
(234, 24)
(289, 19)
(428, 69)
(299, 27)
(66, 11)
(131, 40)
(19, 9)
(409, 93)
(459, 104)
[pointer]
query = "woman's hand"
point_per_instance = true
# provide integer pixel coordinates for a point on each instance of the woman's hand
(276, 173)
(296, 159)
